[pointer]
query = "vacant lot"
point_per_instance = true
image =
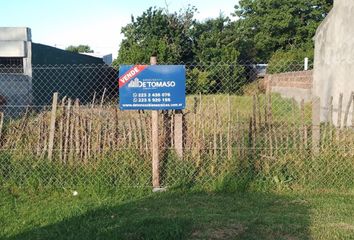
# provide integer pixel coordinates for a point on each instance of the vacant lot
(174, 215)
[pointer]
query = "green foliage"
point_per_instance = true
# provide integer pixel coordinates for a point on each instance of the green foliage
(266, 26)
(157, 32)
(79, 49)
(216, 53)
(290, 60)
(213, 42)
(265, 30)
(198, 81)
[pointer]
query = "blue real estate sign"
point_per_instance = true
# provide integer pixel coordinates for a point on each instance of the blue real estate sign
(152, 87)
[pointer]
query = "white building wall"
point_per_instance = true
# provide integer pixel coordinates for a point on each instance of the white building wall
(334, 59)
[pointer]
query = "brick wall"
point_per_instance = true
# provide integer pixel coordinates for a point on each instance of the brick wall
(296, 85)
(302, 79)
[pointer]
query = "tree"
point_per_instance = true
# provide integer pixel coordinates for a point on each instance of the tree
(290, 60)
(158, 32)
(79, 49)
(214, 42)
(215, 49)
(269, 25)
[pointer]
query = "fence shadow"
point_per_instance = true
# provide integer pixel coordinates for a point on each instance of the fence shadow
(187, 216)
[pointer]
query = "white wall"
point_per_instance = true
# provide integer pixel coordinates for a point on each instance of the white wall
(334, 58)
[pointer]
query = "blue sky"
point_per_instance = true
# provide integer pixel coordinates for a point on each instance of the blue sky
(94, 22)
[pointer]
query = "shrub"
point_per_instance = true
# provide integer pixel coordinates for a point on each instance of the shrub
(290, 60)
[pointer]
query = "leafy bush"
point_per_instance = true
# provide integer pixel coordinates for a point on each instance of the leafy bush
(290, 60)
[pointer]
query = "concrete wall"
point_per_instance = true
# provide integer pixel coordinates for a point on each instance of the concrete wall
(15, 34)
(297, 85)
(13, 49)
(334, 58)
(16, 88)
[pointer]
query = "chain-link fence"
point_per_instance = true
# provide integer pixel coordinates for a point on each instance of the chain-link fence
(241, 128)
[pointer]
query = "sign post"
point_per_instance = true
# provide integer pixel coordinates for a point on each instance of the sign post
(155, 142)
(155, 87)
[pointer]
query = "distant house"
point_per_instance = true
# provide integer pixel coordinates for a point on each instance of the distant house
(334, 59)
(31, 72)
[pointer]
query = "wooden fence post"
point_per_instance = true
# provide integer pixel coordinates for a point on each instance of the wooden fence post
(316, 126)
(1, 124)
(340, 106)
(347, 110)
(52, 126)
(178, 133)
(155, 142)
(353, 113)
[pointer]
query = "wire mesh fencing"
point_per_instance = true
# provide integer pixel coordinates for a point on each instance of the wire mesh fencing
(242, 128)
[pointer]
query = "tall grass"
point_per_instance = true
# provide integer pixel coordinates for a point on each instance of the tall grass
(231, 143)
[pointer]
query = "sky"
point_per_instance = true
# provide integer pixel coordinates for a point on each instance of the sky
(97, 23)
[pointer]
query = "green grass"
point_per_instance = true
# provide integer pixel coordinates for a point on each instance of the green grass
(222, 202)
(284, 110)
(139, 214)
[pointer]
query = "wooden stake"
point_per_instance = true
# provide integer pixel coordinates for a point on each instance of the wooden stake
(93, 100)
(303, 125)
(215, 130)
(346, 115)
(339, 120)
(353, 113)
(71, 139)
(52, 126)
(136, 135)
(316, 130)
(270, 124)
(254, 124)
(340, 105)
(229, 143)
(67, 129)
(130, 133)
(61, 129)
(238, 137)
(140, 133)
(155, 149)
(1, 124)
(155, 142)
(146, 134)
(172, 134)
(178, 133)
(330, 111)
(45, 141)
(40, 119)
(259, 112)
(103, 95)
(199, 132)
(194, 136)
(116, 128)
(77, 128)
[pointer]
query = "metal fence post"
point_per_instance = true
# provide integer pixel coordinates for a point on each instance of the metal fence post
(306, 64)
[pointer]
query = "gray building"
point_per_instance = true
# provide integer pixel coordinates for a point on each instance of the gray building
(31, 72)
(334, 59)
(15, 66)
